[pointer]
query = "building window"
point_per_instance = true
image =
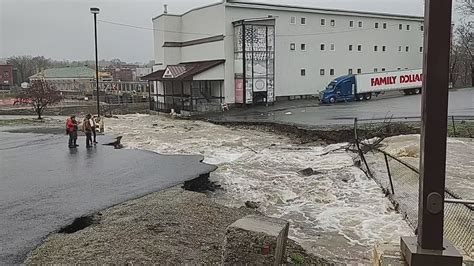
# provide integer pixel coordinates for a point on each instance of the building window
(321, 72)
(421, 27)
(331, 72)
(303, 21)
(292, 46)
(350, 71)
(333, 22)
(408, 27)
(407, 49)
(376, 25)
(385, 25)
(333, 47)
(323, 21)
(400, 26)
(359, 71)
(323, 47)
(360, 24)
(350, 47)
(303, 47)
(303, 72)
(384, 48)
(376, 48)
(292, 20)
(383, 69)
(399, 48)
(359, 47)
(399, 68)
(421, 49)
(351, 24)
(375, 69)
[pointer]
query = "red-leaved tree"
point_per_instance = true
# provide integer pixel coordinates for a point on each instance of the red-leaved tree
(40, 95)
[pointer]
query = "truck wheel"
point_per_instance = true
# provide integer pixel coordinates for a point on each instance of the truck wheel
(368, 96)
(332, 100)
(360, 97)
(407, 92)
(417, 91)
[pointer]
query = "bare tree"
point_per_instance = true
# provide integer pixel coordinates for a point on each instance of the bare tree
(41, 95)
(465, 41)
(24, 65)
(41, 63)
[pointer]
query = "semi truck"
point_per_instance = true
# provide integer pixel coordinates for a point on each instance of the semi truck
(361, 87)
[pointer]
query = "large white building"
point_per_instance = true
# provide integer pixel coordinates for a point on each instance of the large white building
(238, 52)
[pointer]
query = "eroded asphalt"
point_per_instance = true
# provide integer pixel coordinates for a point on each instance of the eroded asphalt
(45, 185)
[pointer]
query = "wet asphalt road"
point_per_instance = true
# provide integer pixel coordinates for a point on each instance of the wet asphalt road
(45, 185)
(309, 113)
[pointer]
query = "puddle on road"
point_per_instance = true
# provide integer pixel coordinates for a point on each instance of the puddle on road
(263, 167)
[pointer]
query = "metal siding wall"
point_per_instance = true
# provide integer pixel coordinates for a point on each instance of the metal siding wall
(288, 80)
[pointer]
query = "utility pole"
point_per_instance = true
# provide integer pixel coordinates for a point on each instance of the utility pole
(429, 247)
(95, 11)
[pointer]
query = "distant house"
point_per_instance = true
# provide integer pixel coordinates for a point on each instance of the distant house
(69, 80)
(6, 76)
(122, 73)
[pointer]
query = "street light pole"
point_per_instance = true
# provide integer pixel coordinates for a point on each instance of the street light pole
(95, 11)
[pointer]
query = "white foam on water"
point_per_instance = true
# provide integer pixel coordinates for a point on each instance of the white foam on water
(263, 167)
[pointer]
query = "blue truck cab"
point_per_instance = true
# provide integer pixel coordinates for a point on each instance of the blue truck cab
(342, 89)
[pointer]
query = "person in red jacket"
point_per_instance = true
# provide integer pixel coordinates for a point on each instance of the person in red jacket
(71, 130)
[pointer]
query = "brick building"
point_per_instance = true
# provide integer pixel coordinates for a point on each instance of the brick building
(6, 76)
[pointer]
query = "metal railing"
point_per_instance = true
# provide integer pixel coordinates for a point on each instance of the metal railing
(401, 184)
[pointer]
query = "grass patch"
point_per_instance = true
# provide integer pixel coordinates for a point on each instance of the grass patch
(461, 129)
(297, 259)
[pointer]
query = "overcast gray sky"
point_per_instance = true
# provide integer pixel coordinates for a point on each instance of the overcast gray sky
(63, 29)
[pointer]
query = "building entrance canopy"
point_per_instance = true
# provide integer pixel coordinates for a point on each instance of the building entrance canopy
(183, 71)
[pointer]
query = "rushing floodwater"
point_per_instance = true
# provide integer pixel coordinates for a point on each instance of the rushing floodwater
(337, 213)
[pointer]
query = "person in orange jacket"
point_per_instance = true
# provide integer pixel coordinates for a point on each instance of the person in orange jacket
(71, 130)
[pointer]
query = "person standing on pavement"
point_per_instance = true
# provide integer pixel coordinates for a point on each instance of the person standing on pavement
(93, 125)
(71, 130)
(87, 128)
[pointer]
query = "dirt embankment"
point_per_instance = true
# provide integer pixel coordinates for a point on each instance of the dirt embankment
(168, 227)
(328, 134)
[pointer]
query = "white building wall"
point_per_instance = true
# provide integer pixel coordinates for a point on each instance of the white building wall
(215, 73)
(203, 22)
(167, 28)
(217, 19)
(203, 52)
(288, 64)
(195, 24)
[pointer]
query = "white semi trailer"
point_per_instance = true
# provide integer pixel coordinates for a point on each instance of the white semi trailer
(362, 86)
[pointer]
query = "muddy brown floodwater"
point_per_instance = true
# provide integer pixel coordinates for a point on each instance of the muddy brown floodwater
(337, 213)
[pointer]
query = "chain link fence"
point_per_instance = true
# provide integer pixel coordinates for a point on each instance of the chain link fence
(400, 181)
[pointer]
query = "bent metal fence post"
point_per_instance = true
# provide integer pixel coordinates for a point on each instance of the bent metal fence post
(361, 153)
(389, 174)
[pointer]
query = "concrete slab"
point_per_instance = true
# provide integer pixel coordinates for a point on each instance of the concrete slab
(415, 255)
(256, 240)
